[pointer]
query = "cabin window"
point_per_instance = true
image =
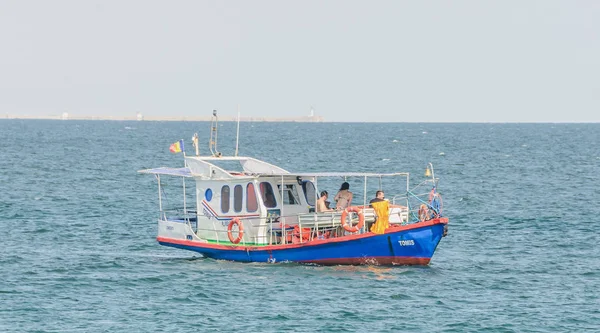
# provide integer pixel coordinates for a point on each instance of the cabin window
(290, 194)
(225, 199)
(238, 197)
(309, 192)
(251, 203)
(268, 197)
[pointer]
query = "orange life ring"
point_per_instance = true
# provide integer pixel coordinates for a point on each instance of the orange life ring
(423, 213)
(361, 219)
(234, 221)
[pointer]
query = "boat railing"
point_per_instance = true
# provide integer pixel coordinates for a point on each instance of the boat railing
(309, 227)
(329, 224)
(270, 230)
(414, 201)
(398, 214)
(180, 215)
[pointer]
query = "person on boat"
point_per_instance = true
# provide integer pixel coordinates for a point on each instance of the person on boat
(322, 203)
(379, 196)
(343, 198)
(381, 208)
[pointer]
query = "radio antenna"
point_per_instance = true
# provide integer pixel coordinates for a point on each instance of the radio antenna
(237, 137)
(195, 143)
(214, 129)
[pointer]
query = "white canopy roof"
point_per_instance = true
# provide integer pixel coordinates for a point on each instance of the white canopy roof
(338, 174)
(199, 166)
(181, 172)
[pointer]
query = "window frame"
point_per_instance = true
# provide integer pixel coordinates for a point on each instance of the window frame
(255, 202)
(306, 196)
(264, 193)
(289, 190)
(228, 199)
(235, 198)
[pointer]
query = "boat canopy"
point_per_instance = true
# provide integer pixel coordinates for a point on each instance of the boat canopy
(181, 172)
(339, 174)
(204, 167)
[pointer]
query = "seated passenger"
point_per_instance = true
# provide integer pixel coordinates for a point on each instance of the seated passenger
(322, 203)
(343, 198)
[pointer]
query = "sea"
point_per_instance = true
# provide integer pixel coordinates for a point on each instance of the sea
(79, 225)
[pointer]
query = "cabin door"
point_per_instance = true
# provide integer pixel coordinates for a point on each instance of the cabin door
(291, 204)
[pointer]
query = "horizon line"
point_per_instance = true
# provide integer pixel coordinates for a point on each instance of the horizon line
(304, 119)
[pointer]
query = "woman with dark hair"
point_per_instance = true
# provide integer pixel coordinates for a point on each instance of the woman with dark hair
(343, 198)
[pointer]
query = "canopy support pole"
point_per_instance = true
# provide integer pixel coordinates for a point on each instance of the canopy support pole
(184, 205)
(281, 216)
(316, 196)
(237, 137)
(159, 196)
(365, 196)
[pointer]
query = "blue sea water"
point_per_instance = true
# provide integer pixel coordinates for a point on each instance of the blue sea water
(79, 252)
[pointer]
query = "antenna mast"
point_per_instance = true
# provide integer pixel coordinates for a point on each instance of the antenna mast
(195, 143)
(237, 138)
(214, 128)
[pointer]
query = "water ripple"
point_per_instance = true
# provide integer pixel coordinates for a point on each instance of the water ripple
(79, 252)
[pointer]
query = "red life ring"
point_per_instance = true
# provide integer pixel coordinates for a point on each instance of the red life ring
(361, 219)
(423, 213)
(233, 222)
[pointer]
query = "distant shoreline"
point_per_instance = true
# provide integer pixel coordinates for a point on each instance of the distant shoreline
(306, 119)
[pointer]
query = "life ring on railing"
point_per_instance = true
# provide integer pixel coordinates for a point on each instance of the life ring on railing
(233, 222)
(361, 219)
(423, 213)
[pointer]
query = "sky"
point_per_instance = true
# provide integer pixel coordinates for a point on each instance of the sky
(356, 61)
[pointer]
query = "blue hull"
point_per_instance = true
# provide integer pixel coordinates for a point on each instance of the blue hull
(407, 245)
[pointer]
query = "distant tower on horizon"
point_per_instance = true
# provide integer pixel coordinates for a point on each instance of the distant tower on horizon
(139, 116)
(65, 116)
(312, 118)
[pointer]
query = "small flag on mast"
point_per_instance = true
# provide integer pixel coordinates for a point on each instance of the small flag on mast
(177, 147)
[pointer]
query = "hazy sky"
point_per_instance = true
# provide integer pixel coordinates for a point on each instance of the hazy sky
(531, 61)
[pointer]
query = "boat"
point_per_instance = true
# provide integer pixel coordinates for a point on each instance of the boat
(248, 210)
